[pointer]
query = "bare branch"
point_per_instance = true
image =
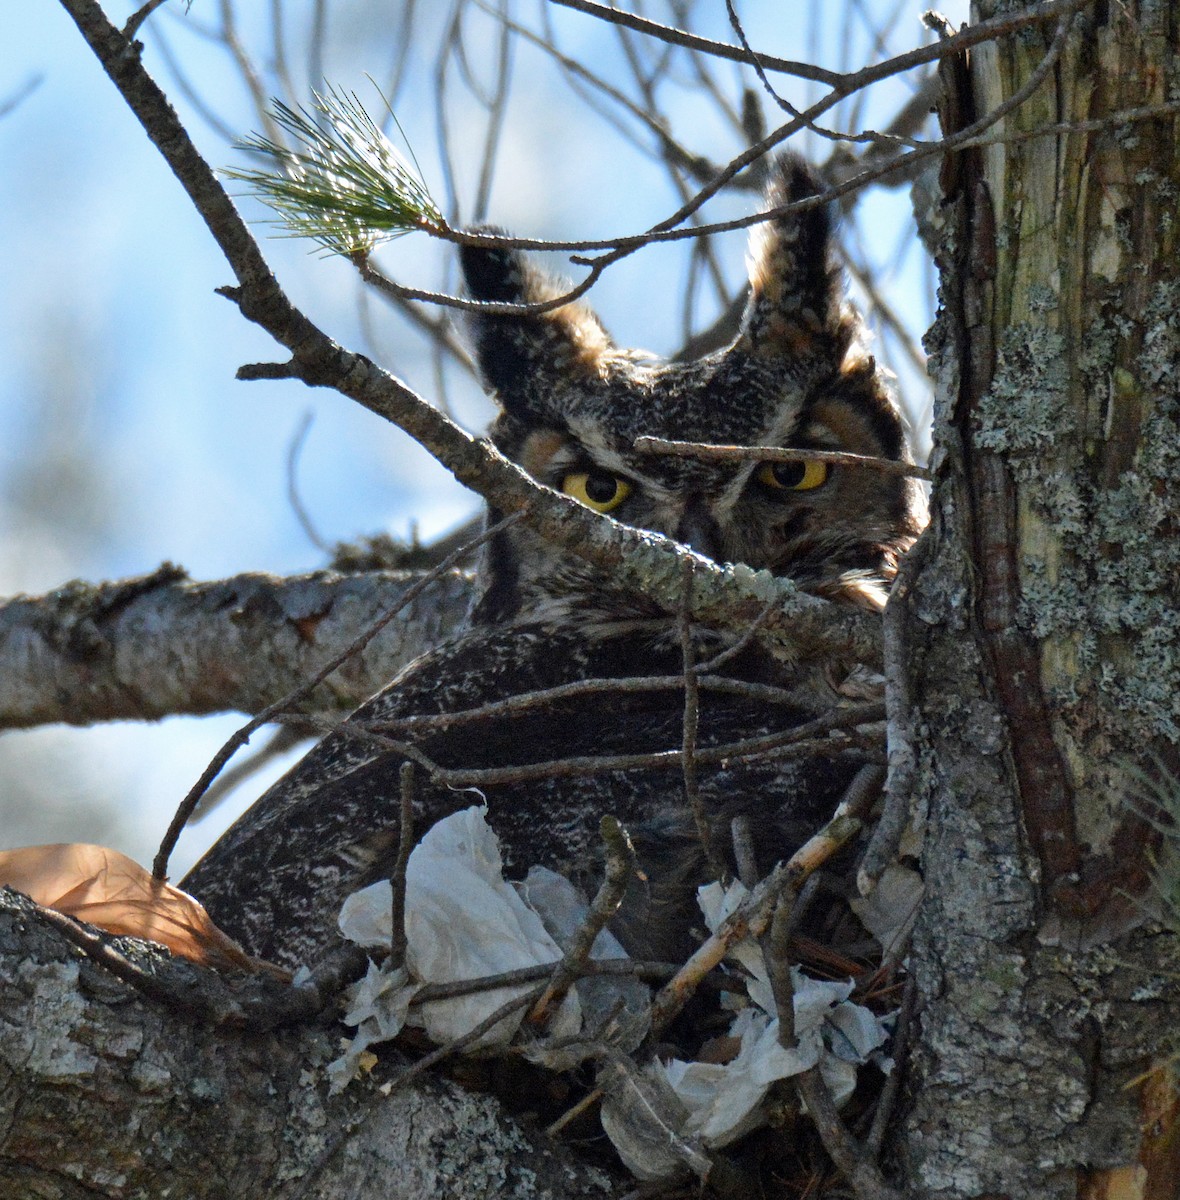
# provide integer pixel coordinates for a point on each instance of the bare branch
(690, 41)
(159, 645)
(887, 466)
(397, 878)
(299, 694)
(620, 864)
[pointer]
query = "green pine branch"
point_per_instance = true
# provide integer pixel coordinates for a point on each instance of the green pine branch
(341, 183)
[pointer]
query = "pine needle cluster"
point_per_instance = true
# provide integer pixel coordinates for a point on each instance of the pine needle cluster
(341, 182)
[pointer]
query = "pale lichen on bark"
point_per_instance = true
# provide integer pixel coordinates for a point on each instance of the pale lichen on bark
(1060, 451)
(105, 1094)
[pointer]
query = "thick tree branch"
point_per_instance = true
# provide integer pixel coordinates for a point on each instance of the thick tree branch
(160, 1106)
(160, 645)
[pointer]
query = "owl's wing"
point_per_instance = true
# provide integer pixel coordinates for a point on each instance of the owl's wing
(277, 878)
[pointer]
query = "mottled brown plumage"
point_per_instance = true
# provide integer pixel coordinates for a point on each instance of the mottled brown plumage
(572, 404)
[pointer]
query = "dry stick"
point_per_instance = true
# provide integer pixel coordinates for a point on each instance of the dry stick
(730, 652)
(571, 1114)
(690, 727)
(691, 41)
(635, 968)
(899, 1052)
(257, 1002)
(788, 913)
(888, 466)
(526, 702)
(397, 878)
(778, 964)
(620, 865)
(858, 1169)
(900, 726)
(472, 1035)
(821, 736)
(754, 916)
(242, 736)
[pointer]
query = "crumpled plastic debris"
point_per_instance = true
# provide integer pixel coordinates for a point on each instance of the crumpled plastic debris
(463, 921)
(723, 1101)
(615, 1009)
(378, 1006)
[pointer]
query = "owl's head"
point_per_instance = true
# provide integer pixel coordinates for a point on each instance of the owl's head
(572, 404)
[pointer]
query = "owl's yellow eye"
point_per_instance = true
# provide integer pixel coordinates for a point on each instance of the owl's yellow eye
(792, 476)
(599, 490)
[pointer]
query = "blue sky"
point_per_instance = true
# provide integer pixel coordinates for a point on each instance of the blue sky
(125, 439)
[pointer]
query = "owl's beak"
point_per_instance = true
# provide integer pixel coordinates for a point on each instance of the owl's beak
(698, 529)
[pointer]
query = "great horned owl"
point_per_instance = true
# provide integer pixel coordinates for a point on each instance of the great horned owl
(571, 406)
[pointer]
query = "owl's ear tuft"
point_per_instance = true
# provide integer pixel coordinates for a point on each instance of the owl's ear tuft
(797, 307)
(495, 273)
(522, 358)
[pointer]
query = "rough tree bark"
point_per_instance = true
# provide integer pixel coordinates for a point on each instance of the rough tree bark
(105, 1094)
(1044, 630)
(161, 645)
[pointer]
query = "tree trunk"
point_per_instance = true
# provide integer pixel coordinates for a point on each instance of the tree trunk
(1045, 629)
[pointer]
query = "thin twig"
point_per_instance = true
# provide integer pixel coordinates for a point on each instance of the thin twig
(294, 450)
(242, 736)
(743, 851)
(571, 1114)
(753, 917)
(820, 736)
(899, 1052)
(690, 725)
(862, 1174)
(630, 967)
(887, 466)
(620, 866)
(472, 1035)
(983, 31)
(138, 17)
(901, 726)
(788, 915)
(527, 702)
(397, 878)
